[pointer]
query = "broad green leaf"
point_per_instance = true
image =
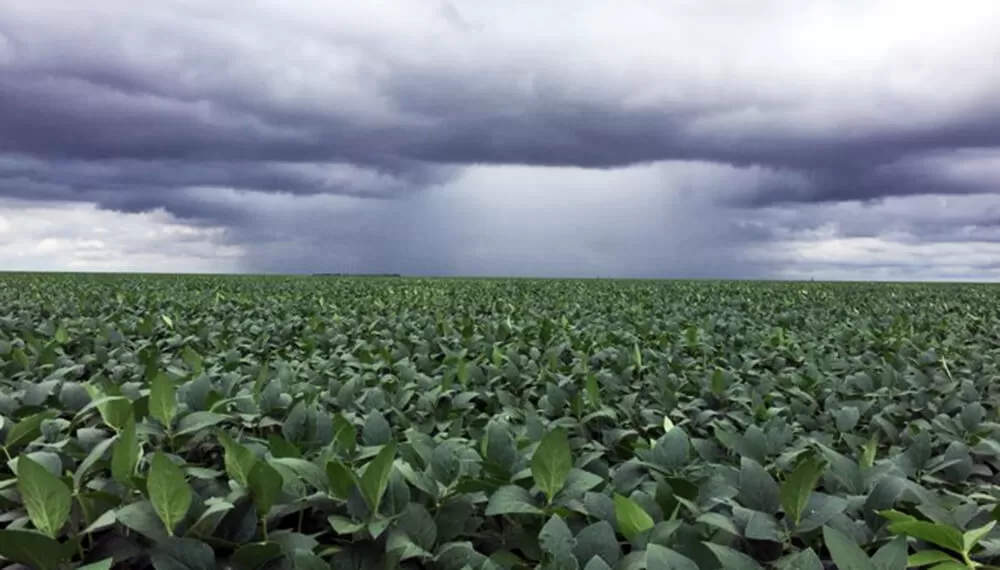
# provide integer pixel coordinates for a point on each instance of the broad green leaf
(375, 478)
(795, 489)
(256, 555)
(182, 554)
(418, 525)
(376, 430)
(163, 399)
(632, 519)
(928, 557)
(239, 460)
(197, 421)
(46, 497)
(344, 526)
(972, 537)
(96, 454)
(125, 454)
(556, 540)
(892, 555)
(106, 520)
(265, 485)
(511, 500)
(662, 558)
(762, 526)
(26, 430)
(596, 563)
(598, 540)
(757, 489)
(31, 548)
(593, 390)
(731, 559)
(445, 465)
(344, 434)
(500, 447)
(340, 479)
(215, 508)
(801, 560)
(142, 517)
(551, 462)
(845, 552)
(936, 533)
(168, 491)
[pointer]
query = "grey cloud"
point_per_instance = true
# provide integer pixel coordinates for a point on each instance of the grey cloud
(359, 134)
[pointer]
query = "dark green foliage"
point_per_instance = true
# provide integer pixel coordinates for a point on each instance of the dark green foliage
(286, 423)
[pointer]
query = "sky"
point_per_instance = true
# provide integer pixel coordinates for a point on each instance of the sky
(778, 139)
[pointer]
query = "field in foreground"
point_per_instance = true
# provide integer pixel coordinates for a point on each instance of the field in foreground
(189, 422)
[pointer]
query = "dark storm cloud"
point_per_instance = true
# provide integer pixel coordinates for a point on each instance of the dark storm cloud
(283, 124)
(192, 128)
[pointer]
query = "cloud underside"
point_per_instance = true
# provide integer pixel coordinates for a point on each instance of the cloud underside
(672, 139)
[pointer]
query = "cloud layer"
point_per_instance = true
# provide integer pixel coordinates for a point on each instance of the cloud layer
(676, 138)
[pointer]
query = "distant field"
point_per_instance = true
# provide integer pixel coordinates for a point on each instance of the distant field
(384, 422)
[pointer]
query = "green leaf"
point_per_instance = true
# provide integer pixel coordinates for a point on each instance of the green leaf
(499, 446)
(255, 555)
(31, 548)
(95, 455)
(344, 434)
(731, 559)
(598, 540)
(210, 517)
(418, 525)
(719, 521)
(445, 465)
(551, 462)
(375, 479)
(892, 555)
(168, 491)
(511, 500)
(265, 485)
(113, 407)
(928, 557)
(557, 541)
(662, 558)
(376, 430)
(340, 479)
(238, 459)
(306, 560)
(795, 490)
(344, 526)
(757, 489)
(762, 526)
(143, 519)
(163, 399)
(846, 418)
(972, 537)
(632, 519)
(106, 520)
(801, 560)
(593, 390)
(936, 533)
(125, 455)
(182, 554)
(596, 563)
(27, 429)
(46, 497)
(845, 552)
(197, 421)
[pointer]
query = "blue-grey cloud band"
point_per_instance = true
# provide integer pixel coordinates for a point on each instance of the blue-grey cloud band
(384, 131)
